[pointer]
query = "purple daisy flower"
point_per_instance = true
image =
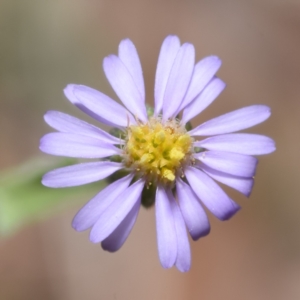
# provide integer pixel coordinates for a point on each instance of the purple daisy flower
(156, 150)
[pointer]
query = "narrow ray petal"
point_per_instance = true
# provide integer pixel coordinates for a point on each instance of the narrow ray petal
(110, 219)
(90, 212)
(125, 87)
(80, 174)
(168, 52)
(244, 143)
(194, 215)
(183, 259)
(234, 121)
(179, 80)
(241, 184)
(210, 194)
(68, 124)
(204, 71)
(165, 228)
(99, 106)
(73, 145)
(69, 93)
(228, 162)
(130, 58)
(202, 101)
(116, 240)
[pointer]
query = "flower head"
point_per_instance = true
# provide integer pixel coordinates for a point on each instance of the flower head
(156, 150)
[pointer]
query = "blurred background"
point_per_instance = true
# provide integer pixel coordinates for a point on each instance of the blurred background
(48, 44)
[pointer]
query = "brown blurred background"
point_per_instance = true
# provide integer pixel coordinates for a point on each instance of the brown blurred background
(48, 44)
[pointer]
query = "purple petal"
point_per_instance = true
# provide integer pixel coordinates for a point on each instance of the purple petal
(183, 260)
(125, 87)
(168, 52)
(234, 121)
(179, 80)
(73, 145)
(244, 143)
(204, 71)
(68, 124)
(116, 240)
(194, 215)
(206, 97)
(228, 162)
(110, 219)
(90, 212)
(69, 93)
(165, 228)
(80, 174)
(210, 194)
(130, 58)
(99, 106)
(241, 184)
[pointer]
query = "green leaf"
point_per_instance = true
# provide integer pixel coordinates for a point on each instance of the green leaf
(23, 199)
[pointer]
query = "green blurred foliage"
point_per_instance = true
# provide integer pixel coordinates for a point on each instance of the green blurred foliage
(23, 199)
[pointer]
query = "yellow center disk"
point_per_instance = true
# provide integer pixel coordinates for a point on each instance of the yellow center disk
(158, 150)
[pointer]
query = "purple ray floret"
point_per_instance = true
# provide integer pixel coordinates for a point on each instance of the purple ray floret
(155, 151)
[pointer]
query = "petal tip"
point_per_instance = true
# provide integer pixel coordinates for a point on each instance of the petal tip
(125, 41)
(167, 264)
(69, 87)
(93, 238)
(231, 213)
(108, 59)
(49, 113)
(69, 93)
(248, 194)
(110, 250)
(201, 234)
(267, 110)
(45, 182)
(215, 59)
(172, 37)
(184, 269)
(272, 146)
(75, 225)
(43, 145)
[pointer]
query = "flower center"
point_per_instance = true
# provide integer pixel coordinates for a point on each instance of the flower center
(158, 149)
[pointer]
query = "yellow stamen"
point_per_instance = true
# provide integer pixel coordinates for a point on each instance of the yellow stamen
(168, 174)
(157, 148)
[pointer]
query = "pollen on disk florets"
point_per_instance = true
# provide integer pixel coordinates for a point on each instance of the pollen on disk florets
(158, 149)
